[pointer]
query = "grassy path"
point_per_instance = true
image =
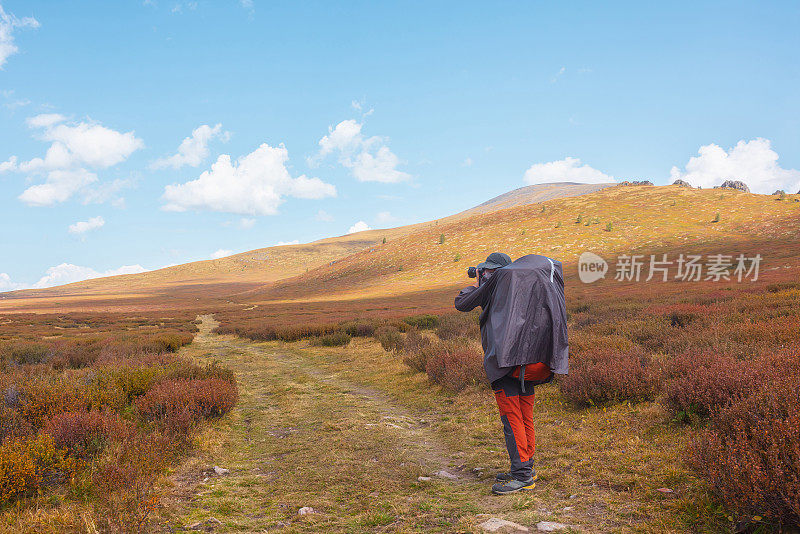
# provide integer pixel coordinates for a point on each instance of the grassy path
(348, 431)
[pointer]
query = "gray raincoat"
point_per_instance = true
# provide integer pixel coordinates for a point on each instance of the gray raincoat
(524, 318)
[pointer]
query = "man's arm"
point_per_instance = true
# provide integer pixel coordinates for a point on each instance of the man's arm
(469, 298)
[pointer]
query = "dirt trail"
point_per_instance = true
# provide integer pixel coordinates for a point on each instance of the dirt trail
(303, 435)
(417, 443)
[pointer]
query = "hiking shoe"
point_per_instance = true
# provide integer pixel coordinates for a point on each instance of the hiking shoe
(506, 477)
(513, 486)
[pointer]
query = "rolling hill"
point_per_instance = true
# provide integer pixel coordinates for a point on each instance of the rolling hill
(426, 259)
(218, 280)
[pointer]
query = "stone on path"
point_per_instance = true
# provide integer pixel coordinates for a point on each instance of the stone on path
(550, 526)
(206, 525)
(446, 474)
(221, 471)
(424, 479)
(306, 510)
(495, 524)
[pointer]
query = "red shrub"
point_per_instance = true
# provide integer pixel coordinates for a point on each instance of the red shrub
(699, 383)
(85, 434)
(201, 398)
(416, 348)
(751, 451)
(124, 485)
(604, 375)
(455, 365)
(463, 325)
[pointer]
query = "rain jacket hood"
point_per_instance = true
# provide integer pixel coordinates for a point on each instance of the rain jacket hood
(524, 318)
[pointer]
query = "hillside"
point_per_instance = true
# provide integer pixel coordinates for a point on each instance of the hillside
(643, 217)
(217, 281)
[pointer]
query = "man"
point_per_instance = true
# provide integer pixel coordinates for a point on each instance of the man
(524, 337)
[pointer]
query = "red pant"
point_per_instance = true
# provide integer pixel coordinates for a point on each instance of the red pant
(516, 413)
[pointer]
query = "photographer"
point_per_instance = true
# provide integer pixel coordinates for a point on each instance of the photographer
(524, 337)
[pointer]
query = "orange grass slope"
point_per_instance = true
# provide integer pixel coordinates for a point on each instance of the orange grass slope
(612, 221)
(212, 283)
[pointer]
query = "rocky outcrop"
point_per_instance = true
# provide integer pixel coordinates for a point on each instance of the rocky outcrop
(682, 183)
(636, 182)
(734, 184)
(779, 192)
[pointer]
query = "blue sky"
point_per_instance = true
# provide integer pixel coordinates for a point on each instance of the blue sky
(304, 119)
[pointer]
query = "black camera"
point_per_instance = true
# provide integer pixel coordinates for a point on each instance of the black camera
(472, 272)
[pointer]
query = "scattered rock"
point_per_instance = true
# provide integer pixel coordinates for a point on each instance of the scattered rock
(573, 496)
(550, 526)
(221, 471)
(665, 490)
(424, 479)
(635, 182)
(569, 508)
(734, 184)
(682, 183)
(206, 525)
(779, 192)
(495, 524)
(306, 510)
(446, 474)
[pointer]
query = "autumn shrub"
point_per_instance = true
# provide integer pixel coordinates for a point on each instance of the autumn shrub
(337, 339)
(25, 352)
(43, 396)
(750, 452)
(206, 398)
(27, 465)
(124, 485)
(698, 383)
(458, 325)
(167, 342)
(422, 322)
(455, 364)
(783, 286)
(390, 338)
(189, 370)
(606, 375)
(358, 328)
(85, 433)
(416, 348)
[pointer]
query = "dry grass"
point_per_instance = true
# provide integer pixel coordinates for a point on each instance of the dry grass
(347, 431)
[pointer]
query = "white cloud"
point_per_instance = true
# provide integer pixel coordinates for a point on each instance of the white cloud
(558, 75)
(256, 184)
(385, 217)
(565, 170)
(192, 150)
(360, 226)
(83, 143)
(67, 273)
(753, 162)
(368, 158)
(286, 243)
(108, 191)
(221, 253)
(324, 216)
(467, 162)
(246, 223)
(81, 227)
(8, 23)
(44, 120)
(6, 284)
(74, 149)
(9, 165)
(59, 186)
(381, 167)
